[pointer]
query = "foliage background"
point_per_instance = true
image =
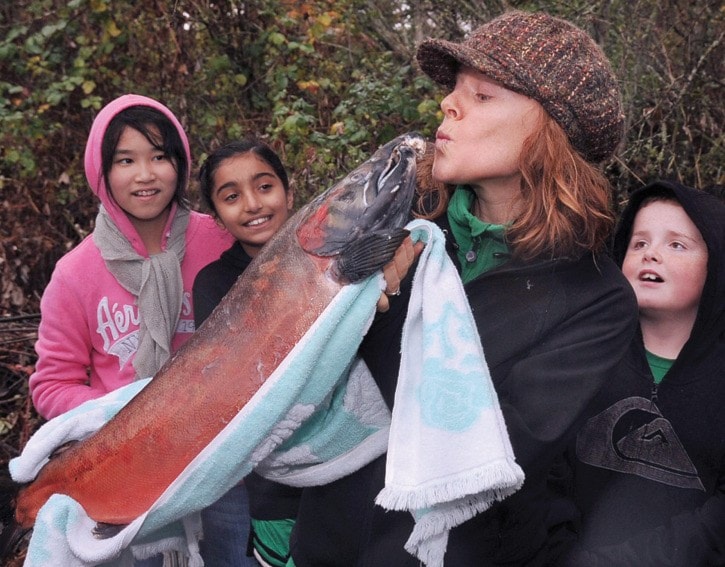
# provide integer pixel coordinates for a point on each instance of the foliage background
(324, 82)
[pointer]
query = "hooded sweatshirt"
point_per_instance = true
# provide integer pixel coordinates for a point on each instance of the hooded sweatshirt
(89, 328)
(650, 463)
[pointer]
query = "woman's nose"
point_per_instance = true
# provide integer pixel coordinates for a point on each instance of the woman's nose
(449, 108)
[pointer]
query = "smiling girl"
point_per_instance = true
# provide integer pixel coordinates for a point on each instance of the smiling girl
(246, 187)
(119, 304)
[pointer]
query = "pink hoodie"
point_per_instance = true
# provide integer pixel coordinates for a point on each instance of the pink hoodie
(88, 332)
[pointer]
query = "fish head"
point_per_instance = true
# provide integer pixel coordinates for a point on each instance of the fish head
(360, 219)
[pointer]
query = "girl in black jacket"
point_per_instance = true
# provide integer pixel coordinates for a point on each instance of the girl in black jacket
(650, 464)
(246, 187)
(533, 107)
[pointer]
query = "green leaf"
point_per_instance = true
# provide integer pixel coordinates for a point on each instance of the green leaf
(88, 87)
(277, 38)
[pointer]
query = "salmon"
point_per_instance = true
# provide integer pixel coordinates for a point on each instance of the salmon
(346, 234)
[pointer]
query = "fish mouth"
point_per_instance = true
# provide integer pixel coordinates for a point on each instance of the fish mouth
(376, 197)
(383, 206)
(404, 155)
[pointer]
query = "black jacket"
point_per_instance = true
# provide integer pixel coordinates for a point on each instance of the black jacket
(654, 491)
(551, 333)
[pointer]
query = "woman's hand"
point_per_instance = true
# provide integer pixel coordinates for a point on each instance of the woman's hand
(396, 270)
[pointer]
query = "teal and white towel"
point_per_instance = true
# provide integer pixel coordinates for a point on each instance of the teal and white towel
(320, 417)
(63, 533)
(449, 456)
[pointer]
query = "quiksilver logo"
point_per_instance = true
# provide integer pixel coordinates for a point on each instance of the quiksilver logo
(633, 437)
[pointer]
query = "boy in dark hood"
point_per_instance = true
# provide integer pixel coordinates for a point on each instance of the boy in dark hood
(650, 464)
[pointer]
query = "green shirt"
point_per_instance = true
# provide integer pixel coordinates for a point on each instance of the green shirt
(658, 365)
(481, 245)
(271, 540)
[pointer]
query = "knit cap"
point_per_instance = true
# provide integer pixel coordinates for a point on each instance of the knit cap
(547, 59)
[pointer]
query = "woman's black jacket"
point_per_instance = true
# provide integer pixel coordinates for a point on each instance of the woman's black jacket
(551, 332)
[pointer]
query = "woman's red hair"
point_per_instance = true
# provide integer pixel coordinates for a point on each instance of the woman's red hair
(565, 204)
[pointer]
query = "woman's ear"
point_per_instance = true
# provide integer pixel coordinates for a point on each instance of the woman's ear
(290, 199)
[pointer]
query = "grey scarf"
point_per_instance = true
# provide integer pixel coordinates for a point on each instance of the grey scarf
(156, 282)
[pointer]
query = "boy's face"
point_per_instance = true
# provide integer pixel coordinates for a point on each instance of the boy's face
(666, 261)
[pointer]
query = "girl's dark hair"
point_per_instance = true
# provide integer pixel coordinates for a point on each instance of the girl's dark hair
(232, 149)
(160, 132)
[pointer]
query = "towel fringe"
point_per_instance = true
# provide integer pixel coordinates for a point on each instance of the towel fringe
(194, 532)
(174, 559)
(431, 552)
(497, 480)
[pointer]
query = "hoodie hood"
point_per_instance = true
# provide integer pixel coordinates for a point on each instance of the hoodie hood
(93, 161)
(707, 212)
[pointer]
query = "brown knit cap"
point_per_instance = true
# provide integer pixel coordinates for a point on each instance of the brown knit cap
(549, 60)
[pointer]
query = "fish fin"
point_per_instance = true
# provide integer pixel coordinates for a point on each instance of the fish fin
(105, 531)
(368, 254)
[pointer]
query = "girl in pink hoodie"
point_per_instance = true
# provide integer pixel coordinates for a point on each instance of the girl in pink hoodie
(120, 303)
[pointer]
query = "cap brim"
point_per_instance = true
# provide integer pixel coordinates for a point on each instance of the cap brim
(441, 60)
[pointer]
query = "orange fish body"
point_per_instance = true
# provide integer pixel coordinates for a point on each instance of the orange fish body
(345, 234)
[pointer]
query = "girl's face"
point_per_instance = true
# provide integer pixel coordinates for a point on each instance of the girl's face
(666, 261)
(483, 130)
(250, 200)
(142, 180)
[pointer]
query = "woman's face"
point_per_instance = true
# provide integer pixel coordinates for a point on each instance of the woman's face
(142, 179)
(484, 127)
(250, 200)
